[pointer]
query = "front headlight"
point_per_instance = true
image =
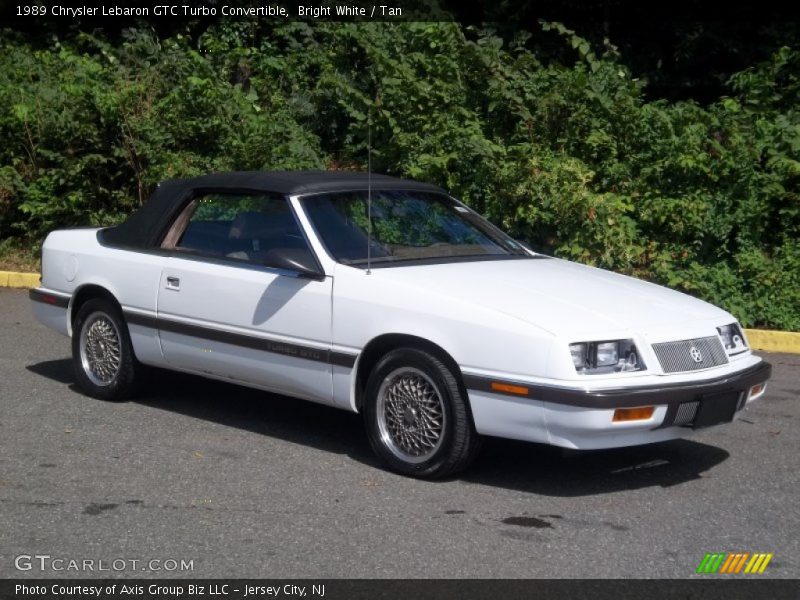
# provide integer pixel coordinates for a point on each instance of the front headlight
(592, 358)
(732, 339)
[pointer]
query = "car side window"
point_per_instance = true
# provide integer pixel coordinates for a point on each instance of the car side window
(241, 227)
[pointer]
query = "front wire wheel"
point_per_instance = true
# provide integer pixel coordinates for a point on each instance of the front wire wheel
(416, 415)
(411, 415)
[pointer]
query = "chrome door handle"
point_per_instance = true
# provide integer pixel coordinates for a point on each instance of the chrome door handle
(173, 283)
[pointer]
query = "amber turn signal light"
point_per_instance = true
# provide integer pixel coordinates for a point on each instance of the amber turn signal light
(509, 389)
(757, 390)
(641, 413)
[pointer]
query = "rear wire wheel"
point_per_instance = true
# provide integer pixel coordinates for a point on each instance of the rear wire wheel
(102, 354)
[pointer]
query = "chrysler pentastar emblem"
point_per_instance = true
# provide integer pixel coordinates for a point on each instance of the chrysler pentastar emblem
(695, 354)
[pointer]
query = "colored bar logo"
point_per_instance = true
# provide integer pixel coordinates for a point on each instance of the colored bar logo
(734, 562)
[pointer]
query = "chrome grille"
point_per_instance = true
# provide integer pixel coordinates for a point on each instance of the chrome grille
(677, 356)
(685, 414)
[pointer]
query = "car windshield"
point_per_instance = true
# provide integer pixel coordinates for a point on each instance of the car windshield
(406, 226)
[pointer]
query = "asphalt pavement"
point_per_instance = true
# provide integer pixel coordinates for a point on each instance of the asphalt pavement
(238, 483)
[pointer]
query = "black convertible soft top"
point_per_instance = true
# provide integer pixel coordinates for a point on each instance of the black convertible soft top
(146, 227)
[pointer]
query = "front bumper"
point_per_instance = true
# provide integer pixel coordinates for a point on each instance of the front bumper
(583, 418)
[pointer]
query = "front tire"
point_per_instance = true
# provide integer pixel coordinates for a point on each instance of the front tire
(416, 416)
(102, 355)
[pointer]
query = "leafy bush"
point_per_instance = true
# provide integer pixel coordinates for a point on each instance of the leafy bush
(568, 156)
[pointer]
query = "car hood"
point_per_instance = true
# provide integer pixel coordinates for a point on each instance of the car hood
(557, 295)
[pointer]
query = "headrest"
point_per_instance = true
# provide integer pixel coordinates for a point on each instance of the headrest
(258, 225)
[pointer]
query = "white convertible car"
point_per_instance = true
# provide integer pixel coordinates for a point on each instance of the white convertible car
(410, 309)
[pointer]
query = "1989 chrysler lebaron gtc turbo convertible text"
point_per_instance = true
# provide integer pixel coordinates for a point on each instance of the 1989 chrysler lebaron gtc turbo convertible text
(431, 322)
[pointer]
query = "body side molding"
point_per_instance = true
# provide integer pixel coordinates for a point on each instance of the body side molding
(333, 357)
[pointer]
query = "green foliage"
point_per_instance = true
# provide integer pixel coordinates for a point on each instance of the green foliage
(569, 156)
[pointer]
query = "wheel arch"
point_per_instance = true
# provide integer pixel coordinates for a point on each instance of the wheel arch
(381, 345)
(87, 292)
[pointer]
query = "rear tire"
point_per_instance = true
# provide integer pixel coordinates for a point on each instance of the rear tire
(416, 416)
(102, 354)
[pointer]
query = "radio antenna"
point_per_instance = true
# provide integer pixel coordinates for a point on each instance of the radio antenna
(369, 190)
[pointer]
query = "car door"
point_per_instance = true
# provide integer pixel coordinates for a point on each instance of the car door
(223, 312)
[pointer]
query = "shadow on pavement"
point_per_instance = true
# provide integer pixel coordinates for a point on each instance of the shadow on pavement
(551, 471)
(533, 468)
(58, 370)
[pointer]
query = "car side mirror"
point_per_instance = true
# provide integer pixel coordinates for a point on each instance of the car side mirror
(297, 260)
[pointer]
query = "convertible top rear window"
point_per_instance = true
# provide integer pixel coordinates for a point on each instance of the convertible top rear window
(407, 225)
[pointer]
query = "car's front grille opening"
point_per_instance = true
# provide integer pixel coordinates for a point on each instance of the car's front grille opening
(690, 355)
(686, 413)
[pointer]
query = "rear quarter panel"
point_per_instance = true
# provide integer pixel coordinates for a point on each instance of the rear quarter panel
(74, 259)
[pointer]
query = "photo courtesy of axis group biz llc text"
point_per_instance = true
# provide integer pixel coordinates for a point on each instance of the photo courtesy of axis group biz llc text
(401, 299)
(175, 589)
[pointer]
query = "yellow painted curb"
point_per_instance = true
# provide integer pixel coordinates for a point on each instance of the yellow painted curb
(773, 341)
(13, 279)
